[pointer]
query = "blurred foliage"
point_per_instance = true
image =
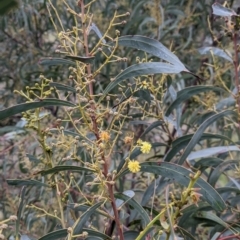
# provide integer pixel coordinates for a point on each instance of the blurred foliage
(30, 42)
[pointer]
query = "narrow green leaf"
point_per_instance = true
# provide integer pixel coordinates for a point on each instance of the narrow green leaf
(64, 168)
(188, 92)
(157, 186)
(141, 69)
(199, 132)
(7, 129)
(151, 46)
(19, 182)
(119, 202)
(204, 163)
(227, 190)
(7, 5)
(92, 233)
(212, 217)
(151, 127)
(78, 226)
(216, 51)
(93, 27)
(183, 141)
(216, 173)
(80, 59)
(8, 112)
(130, 235)
(62, 233)
(189, 211)
(55, 61)
(207, 152)
(20, 208)
(227, 102)
(181, 175)
(84, 208)
(198, 119)
(135, 205)
(143, 94)
(32, 158)
(185, 233)
(219, 10)
(62, 87)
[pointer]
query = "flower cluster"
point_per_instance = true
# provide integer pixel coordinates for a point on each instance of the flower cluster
(145, 147)
(134, 166)
(104, 136)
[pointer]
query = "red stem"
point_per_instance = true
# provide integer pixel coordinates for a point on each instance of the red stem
(236, 62)
(95, 126)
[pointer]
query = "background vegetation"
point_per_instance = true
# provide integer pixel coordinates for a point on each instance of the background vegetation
(53, 184)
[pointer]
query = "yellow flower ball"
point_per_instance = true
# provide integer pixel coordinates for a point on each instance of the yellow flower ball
(146, 147)
(134, 166)
(104, 136)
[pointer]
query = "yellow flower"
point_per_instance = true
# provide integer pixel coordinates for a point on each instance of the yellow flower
(144, 84)
(146, 147)
(134, 166)
(104, 136)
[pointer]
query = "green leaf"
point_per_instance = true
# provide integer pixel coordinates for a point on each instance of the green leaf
(185, 233)
(227, 190)
(64, 168)
(216, 51)
(93, 233)
(20, 209)
(7, 129)
(78, 226)
(62, 87)
(183, 141)
(7, 5)
(19, 182)
(153, 47)
(80, 59)
(138, 70)
(187, 214)
(62, 233)
(32, 158)
(130, 235)
(204, 163)
(119, 202)
(143, 94)
(207, 152)
(197, 136)
(157, 186)
(212, 217)
(83, 208)
(216, 173)
(225, 103)
(198, 119)
(151, 127)
(8, 112)
(181, 175)
(188, 92)
(219, 10)
(135, 205)
(55, 61)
